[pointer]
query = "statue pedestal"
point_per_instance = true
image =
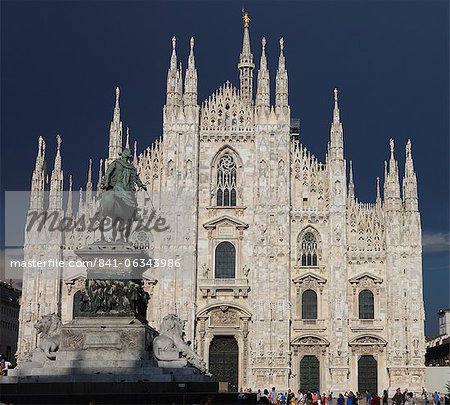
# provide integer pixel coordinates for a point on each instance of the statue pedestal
(109, 339)
(105, 339)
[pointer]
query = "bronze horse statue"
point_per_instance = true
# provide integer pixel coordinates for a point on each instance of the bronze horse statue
(118, 200)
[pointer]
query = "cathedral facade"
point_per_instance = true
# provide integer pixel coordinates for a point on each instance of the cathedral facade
(285, 278)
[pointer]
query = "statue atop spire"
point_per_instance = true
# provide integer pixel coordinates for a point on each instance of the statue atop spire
(245, 18)
(336, 115)
(246, 64)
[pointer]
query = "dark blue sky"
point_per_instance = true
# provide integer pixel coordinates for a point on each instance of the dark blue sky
(61, 61)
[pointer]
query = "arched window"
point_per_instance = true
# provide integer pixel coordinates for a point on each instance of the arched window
(308, 249)
(226, 182)
(225, 260)
(309, 305)
(366, 307)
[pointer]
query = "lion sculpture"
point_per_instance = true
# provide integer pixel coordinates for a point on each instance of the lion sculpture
(171, 350)
(49, 329)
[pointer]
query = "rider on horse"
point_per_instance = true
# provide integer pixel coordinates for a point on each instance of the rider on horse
(122, 175)
(118, 202)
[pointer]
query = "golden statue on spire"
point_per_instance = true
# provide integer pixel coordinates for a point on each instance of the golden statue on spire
(245, 18)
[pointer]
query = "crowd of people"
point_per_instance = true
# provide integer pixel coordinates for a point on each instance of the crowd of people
(288, 397)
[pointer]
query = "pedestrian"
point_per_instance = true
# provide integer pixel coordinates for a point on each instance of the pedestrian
(6, 366)
(340, 400)
(351, 398)
(315, 398)
(290, 395)
(409, 400)
(405, 394)
(273, 397)
(368, 397)
(375, 399)
(398, 397)
(436, 398)
(264, 400)
(385, 397)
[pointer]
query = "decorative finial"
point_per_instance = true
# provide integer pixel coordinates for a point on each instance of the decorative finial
(117, 94)
(192, 43)
(174, 42)
(408, 148)
(263, 42)
(391, 144)
(245, 18)
(335, 94)
(281, 44)
(127, 143)
(58, 142)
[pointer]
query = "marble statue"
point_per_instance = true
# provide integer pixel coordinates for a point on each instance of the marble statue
(171, 350)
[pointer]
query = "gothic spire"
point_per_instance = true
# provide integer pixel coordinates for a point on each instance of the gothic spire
(190, 83)
(89, 183)
(391, 182)
(378, 199)
(127, 142)
(173, 58)
(100, 175)
(281, 85)
(410, 181)
(38, 178)
(135, 159)
(56, 179)
(69, 208)
(337, 132)
(263, 86)
(351, 186)
(246, 64)
(174, 87)
(115, 131)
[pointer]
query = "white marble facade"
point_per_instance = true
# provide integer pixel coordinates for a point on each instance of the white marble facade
(286, 204)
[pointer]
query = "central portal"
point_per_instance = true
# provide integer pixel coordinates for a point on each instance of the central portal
(223, 360)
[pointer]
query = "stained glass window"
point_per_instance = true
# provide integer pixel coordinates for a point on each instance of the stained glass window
(308, 250)
(226, 182)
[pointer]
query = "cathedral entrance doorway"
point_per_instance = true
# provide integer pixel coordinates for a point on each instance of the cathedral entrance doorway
(367, 374)
(223, 360)
(309, 374)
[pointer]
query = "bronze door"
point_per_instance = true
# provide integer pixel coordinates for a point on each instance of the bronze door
(223, 360)
(367, 374)
(309, 374)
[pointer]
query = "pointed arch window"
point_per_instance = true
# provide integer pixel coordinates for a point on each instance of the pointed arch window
(308, 249)
(225, 260)
(226, 181)
(309, 304)
(366, 305)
